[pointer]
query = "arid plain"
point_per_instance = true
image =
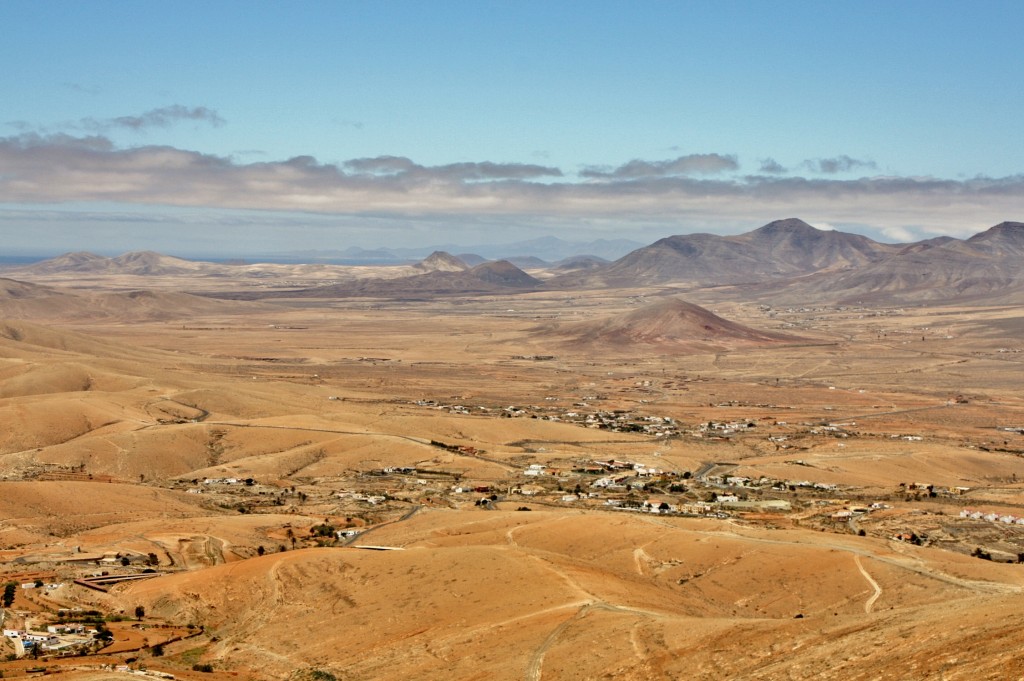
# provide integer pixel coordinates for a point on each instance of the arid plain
(632, 482)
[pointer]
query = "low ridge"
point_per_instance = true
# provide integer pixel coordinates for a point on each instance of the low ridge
(671, 323)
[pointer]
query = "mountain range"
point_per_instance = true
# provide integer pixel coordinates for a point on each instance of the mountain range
(547, 248)
(782, 248)
(984, 268)
(785, 261)
(791, 261)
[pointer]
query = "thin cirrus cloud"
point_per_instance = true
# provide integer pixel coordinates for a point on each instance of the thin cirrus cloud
(84, 89)
(161, 118)
(165, 117)
(41, 169)
(347, 123)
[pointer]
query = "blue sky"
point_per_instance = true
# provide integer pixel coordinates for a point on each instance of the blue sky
(220, 127)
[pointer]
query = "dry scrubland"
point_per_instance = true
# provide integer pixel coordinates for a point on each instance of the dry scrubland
(125, 423)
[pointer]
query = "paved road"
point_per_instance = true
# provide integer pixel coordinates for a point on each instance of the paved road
(362, 535)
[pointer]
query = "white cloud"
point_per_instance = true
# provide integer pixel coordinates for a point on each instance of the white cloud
(899, 234)
(38, 169)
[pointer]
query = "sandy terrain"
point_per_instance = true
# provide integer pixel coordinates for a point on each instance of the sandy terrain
(224, 445)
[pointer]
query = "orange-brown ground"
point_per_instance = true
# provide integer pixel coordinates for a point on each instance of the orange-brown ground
(116, 415)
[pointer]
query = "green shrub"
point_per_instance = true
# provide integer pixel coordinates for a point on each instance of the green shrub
(321, 675)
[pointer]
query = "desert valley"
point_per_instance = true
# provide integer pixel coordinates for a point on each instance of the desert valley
(786, 454)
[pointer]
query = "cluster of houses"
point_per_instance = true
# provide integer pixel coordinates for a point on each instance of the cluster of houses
(658, 506)
(934, 490)
(220, 482)
(858, 511)
(371, 499)
(478, 489)
(618, 420)
(228, 481)
(909, 538)
(621, 472)
(347, 534)
(831, 429)
(992, 517)
(451, 408)
(723, 428)
(621, 420)
(630, 477)
(668, 507)
(41, 585)
(606, 478)
(57, 637)
(804, 484)
(765, 482)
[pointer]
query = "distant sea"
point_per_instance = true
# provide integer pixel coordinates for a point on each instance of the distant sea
(22, 259)
(287, 260)
(18, 260)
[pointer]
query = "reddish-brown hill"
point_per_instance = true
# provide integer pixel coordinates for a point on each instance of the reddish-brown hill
(671, 323)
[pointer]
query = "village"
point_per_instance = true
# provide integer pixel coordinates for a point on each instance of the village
(41, 622)
(625, 461)
(353, 506)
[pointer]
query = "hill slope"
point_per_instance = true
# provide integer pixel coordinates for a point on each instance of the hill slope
(440, 261)
(20, 300)
(670, 324)
(136, 262)
(779, 249)
(490, 277)
(512, 596)
(984, 268)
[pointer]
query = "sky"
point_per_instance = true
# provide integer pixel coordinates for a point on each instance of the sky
(236, 128)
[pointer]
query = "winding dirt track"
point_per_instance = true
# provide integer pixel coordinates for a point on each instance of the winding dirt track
(878, 590)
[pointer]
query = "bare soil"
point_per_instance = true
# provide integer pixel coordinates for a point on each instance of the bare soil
(223, 446)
